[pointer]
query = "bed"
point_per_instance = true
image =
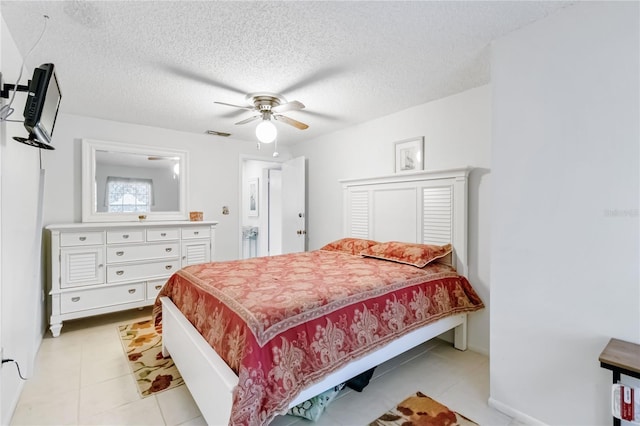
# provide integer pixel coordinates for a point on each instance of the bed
(252, 338)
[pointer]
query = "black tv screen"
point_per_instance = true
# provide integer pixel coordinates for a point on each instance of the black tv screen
(41, 108)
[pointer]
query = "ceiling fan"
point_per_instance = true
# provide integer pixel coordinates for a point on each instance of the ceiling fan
(269, 105)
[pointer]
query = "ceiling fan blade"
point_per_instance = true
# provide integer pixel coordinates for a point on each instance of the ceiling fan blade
(235, 106)
(232, 113)
(290, 121)
(288, 106)
(249, 120)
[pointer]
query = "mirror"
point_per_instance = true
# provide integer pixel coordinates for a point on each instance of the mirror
(124, 182)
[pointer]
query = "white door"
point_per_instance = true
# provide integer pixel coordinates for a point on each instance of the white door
(294, 230)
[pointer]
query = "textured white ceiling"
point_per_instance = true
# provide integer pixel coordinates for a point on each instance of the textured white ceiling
(164, 63)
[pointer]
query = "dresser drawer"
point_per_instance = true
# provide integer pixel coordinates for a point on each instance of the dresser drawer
(196, 232)
(68, 239)
(125, 236)
(163, 234)
(119, 273)
(100, 297)
(142, 252)
(154, 287)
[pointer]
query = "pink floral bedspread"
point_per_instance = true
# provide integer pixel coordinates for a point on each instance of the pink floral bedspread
(284, 322)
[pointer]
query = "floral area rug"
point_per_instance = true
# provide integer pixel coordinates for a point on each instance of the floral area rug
(420, 410)
(143, 347)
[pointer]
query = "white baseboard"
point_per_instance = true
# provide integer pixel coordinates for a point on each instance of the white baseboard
(515, 414)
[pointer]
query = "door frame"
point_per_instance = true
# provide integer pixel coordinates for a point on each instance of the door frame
(243, 158)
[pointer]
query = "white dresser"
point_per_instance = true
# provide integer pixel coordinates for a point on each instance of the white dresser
(98, 268)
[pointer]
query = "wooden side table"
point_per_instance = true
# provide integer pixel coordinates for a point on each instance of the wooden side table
(622, 358)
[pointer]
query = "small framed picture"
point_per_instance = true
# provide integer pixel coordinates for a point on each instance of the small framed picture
(410, 155)
(253, 197)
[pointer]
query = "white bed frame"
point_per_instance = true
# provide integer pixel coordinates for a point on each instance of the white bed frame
(426, 207)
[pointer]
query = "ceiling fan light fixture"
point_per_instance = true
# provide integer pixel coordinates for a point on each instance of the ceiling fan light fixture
(266, 131)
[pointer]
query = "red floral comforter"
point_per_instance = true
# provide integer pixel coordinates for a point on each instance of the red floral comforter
(284, 322)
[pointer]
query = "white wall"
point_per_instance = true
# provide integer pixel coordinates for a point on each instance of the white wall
(22, 309)
(214, 165)
(457, 132)
(565, 223)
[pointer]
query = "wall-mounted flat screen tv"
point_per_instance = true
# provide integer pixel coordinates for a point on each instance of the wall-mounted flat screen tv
(41, 108)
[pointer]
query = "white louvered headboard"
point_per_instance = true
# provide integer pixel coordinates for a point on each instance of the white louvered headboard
(424, 207)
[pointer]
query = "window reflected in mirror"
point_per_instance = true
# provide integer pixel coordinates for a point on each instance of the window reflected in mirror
(127, 195)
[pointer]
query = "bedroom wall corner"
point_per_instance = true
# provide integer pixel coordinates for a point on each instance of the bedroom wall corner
(565, 202)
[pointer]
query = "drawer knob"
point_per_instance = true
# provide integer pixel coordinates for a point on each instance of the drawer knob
(132, 290)
(82, 238)
(100, 265)
(196, 232)
(125, 236)
(167, 267)
(119, 253)
(158, 287)
(119, 272)
(168, 249)
(163, 234)
(75, 299)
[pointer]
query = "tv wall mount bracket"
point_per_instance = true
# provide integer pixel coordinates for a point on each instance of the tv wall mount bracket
(4, 93)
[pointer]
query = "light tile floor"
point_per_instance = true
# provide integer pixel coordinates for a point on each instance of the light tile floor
(82, 378)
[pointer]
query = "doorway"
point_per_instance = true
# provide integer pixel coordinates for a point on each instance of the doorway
(272, 209)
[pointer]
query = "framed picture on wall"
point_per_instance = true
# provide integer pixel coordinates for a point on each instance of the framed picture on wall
(410, 155)
(253, 201)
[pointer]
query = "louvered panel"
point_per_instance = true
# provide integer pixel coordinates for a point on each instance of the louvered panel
(82, 266)
(196, 253)
(359, 211)
(437, 211)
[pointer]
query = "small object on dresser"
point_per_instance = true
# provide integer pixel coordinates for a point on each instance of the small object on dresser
(142, 217)
(195, 216)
